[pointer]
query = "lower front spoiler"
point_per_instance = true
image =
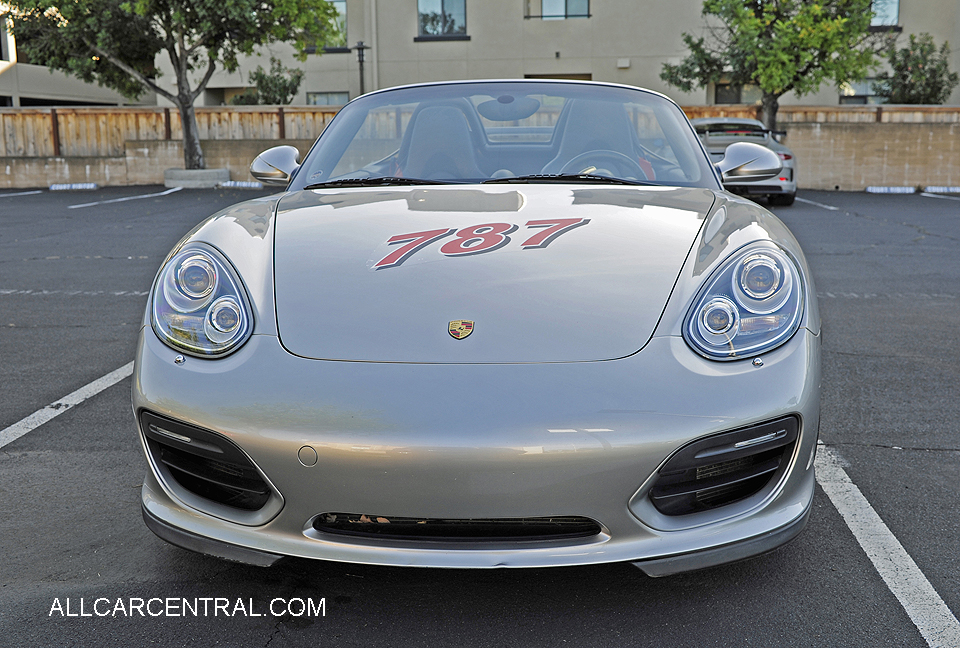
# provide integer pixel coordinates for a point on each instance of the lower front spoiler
(749, 548)
(758, 190)
(654, 568)
(192, 542)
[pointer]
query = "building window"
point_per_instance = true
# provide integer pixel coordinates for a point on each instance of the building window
(327, 98)
(575, 76)
(335, 42)
(339, 39)
(728, 93)
(442, 19)
(886, 13)
(557, 9)
(859, 92)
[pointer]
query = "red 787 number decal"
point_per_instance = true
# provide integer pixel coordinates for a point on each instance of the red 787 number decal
(476, 239)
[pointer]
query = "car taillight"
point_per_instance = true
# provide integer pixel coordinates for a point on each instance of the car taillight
(785, 156)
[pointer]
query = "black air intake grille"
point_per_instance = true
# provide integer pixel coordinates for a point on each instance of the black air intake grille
(724, 468)
(464, 530)
(204, 463)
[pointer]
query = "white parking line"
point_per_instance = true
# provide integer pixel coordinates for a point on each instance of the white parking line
(53, 410)
(930, 195)
(21, 193)
(116, 200)
(816, 204)
(926, 609)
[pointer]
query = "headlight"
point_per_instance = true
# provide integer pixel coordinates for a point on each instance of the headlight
(199, 305)
(751, 304)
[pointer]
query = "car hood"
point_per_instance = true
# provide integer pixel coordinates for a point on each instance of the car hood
(580, 273)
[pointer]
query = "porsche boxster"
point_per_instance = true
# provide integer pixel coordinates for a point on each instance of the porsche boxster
(717, 133)
(486, 324)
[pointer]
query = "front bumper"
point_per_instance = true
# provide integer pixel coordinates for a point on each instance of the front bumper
(482, 441)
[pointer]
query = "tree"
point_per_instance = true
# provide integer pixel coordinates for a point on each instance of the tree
(921, 75)
(276, 87)
(116, 42)
(779, 46)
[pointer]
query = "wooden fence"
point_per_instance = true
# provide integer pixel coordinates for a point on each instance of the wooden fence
(886, 114)
(837, 146)
(102, 132)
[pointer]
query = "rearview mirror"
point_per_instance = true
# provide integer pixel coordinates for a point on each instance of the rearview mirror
(747, 161)
(275, 166)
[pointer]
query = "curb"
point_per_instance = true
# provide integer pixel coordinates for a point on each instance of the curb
(934, 189)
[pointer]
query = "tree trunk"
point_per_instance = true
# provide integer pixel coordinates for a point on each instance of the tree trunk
(192, 153)
(768, 111)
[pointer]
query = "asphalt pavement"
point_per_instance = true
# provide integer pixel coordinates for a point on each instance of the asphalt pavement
(74, 278)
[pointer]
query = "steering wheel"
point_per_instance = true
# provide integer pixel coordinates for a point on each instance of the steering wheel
(624, 165)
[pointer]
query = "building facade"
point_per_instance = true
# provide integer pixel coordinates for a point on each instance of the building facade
(412, 41)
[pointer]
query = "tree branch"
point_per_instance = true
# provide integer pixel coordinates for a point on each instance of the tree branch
(131, 71)
(183, 82)
(206, 78)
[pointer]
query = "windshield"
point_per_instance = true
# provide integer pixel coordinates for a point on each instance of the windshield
(513, 131)
(740, 130)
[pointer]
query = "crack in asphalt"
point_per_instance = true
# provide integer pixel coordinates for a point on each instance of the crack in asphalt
(276, 632)
(854, 252)
(63, 327)
(882, 446)
(870, 296)
(76, 257)
(5, 292)
(879, 356)
(920, 229)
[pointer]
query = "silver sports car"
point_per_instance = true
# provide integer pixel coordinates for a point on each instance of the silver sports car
(486, 324)
(717, 133)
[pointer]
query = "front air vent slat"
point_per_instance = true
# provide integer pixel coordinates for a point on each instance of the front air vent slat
(682, 489)
(218, 475)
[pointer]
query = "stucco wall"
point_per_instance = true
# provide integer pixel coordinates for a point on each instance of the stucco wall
(143, 163)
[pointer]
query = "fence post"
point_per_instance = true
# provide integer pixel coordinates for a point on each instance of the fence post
(283, 128)
(166, 123)
(55, 129)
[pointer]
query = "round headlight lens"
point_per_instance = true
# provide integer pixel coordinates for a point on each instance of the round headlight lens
(223, 320)
(196, 277)
(199, 305)
(760, 276)
(190, 282)
(719, 320)
(761, 283)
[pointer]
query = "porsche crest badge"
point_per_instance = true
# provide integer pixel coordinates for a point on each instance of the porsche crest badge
(460, 329)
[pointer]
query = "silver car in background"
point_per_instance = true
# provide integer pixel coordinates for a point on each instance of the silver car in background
(486, 324)
(717, 133)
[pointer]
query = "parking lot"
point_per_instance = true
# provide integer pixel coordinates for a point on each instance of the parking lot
(878, 565)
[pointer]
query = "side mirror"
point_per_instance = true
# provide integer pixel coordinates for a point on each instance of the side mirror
(747, 161)
(275, 166)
